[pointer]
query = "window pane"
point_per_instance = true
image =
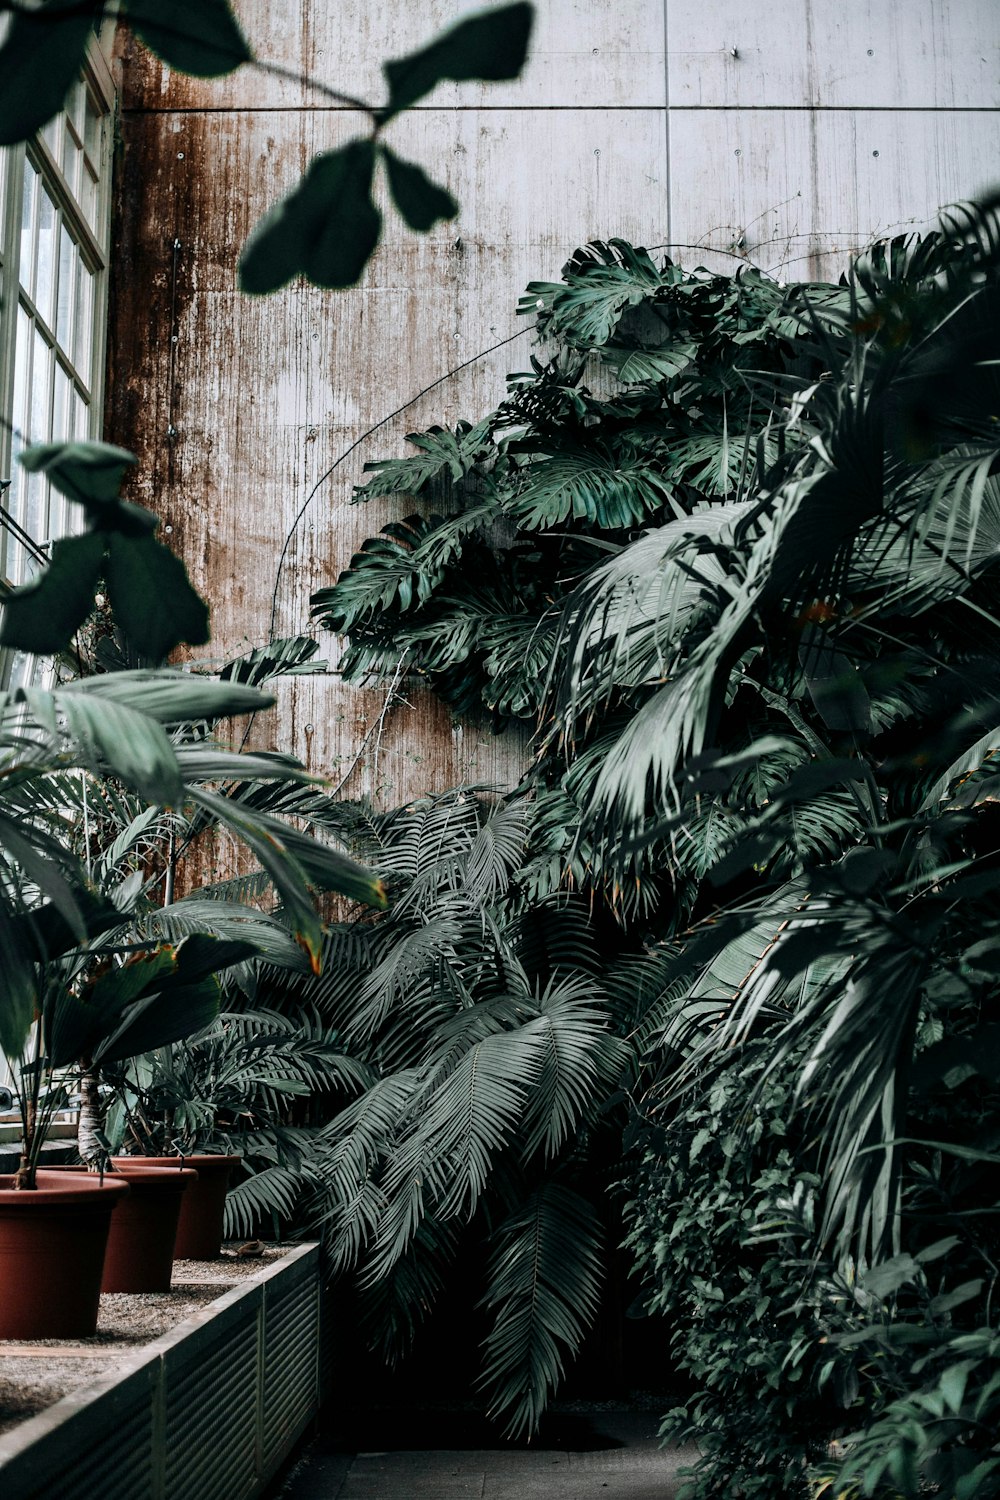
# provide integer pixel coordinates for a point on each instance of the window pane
(20, 670)
(50, 135)
(27, 260)
(70, 159)
(37, 427)
(88, 195)
(74, 106)
(35, 509)
(92, 132)
(45, 269)
(21, 365)
(67, 270)
(17, 494)
(82, 352)
(62, 410)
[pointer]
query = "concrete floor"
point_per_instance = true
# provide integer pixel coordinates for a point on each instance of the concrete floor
(616, 1457)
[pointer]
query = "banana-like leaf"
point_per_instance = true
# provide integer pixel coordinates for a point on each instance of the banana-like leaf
(126, 741)
(19, 990)
(161, 1019)
(296, 863)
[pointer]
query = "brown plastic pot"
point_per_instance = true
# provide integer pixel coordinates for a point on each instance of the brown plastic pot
(199, 1233)
(140, 1254)
(52, 1244)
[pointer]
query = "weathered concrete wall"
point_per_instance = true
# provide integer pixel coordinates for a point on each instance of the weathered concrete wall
(789, 133)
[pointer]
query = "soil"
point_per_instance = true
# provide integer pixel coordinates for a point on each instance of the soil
(37, 1374)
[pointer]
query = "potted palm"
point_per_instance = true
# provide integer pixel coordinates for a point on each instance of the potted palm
(62, 973)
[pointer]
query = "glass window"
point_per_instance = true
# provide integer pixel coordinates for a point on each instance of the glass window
(54, 238)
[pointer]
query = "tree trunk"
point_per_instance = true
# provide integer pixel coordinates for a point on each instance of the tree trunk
(91, 1128)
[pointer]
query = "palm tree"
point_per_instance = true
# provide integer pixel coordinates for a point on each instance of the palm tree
(108, 769)
(484, 1052)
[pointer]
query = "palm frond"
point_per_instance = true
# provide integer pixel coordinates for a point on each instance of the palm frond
(397, 1306)
(600, 282)
(610, 490)
(580, 1061)
(459, 1128)
(497, 851)
(353, 1144)
(260, 1197)
(545, 1275)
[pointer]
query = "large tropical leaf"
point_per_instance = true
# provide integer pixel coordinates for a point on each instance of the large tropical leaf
(600, 282)
(545, 1276)
(612, 491)
(441, 455)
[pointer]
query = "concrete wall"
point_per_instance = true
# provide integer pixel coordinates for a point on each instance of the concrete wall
(788, 133)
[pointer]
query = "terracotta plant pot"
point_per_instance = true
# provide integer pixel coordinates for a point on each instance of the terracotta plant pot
(140, 1254)
(199, 1234)
(52, 1244)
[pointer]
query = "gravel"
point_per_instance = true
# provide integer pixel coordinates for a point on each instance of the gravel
(35, 1374)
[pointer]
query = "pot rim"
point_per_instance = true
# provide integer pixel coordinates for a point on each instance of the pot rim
(58, 1190)
(198, 1160)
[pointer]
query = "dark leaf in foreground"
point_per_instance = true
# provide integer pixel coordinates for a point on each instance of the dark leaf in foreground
(491, 46)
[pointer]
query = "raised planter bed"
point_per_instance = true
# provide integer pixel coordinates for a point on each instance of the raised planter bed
(210, 1408)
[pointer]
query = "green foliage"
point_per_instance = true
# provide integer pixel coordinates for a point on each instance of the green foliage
(101, 779)
(749, 595)
(719, 1219)
(939, 1432)
(148, 587)
(328, 227)
(492, 45)
(325, 230)
(487, 1052)
(39, 63)
(421, 202)
(201, 37)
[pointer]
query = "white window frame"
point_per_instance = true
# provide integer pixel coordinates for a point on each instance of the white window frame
(93, 241)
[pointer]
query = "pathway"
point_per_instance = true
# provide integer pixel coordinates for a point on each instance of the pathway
(617, 1457)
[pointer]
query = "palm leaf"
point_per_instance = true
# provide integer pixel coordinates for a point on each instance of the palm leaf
(497, 851)
(459, 1128)
(354, 1143)
(580, 1060)
(441, 455)
(545, 1275)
